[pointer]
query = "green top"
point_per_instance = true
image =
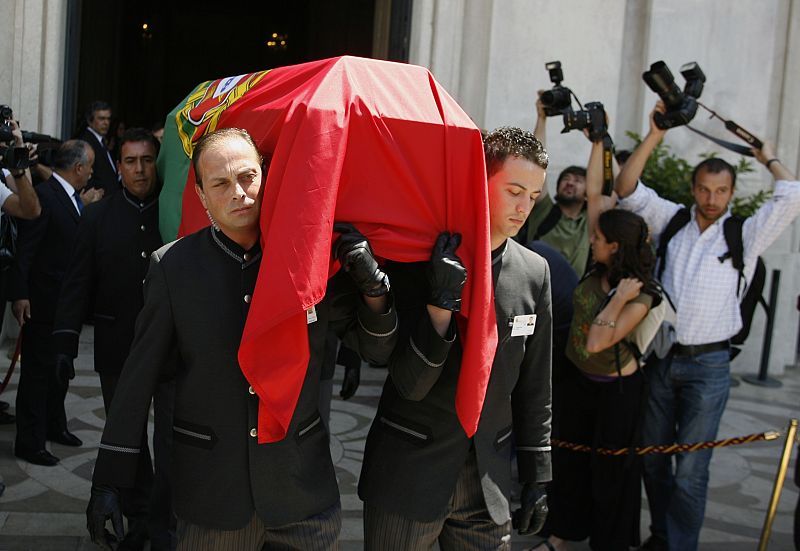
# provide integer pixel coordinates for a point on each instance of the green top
(569, 236)
(587, 301)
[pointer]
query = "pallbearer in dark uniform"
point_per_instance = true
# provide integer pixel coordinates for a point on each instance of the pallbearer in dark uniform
(43, 252)
(423, 480)
(104, 282)
(229, 491)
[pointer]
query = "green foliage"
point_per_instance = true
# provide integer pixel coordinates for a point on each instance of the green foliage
(671, 177)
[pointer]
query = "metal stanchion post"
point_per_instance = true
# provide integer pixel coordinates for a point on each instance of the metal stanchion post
(762, 379)
(776, 489)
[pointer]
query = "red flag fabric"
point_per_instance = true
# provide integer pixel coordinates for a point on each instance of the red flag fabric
(374, 143)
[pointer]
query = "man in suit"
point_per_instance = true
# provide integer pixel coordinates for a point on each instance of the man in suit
(114, 241)
(423, 479)
(98, 122)
(229, 491)
(43, 252)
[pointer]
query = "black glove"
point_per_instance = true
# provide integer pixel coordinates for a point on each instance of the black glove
(353, 251)
(445, 272)
(530, 517)
(104, 504)
(352, 378)
(65, 367)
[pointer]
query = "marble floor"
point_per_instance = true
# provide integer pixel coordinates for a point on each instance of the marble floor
(43, 507)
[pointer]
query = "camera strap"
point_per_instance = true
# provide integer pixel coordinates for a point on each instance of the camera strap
(732, 127)
(735, 147)
(608, 173)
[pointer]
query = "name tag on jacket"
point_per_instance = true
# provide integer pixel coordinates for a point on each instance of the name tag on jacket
(523, 325)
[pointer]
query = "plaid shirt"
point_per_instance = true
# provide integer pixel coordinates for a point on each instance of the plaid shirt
(703, 288)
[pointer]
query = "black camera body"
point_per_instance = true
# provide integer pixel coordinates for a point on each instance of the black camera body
(559, 98)
(681, 106)
(591, 117)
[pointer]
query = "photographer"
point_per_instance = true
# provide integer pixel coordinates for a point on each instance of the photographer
(16, 192)
(560, 223)
(689, 389)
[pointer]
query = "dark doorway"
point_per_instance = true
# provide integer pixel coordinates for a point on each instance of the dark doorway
(144, 56)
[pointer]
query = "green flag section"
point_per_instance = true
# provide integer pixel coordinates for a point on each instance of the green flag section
(173, 168)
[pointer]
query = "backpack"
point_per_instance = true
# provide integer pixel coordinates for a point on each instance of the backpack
(732, 230)
(655, 334)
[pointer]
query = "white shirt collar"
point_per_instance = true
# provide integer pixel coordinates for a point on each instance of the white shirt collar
(96, 135)
(68, 189)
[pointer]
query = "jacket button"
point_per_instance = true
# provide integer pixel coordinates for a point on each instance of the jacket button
(144, 254)
(253, 433)
(142, 227)
(247, 298)
(246, 256)
(251, 391)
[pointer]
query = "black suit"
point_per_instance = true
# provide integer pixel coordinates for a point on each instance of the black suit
(416, 448)
(109, 261)
(43, 252)
(197, 296)
(104, 175)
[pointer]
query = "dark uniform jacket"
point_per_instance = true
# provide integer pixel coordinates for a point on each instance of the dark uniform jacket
(197, 295)
(43, 251)
(104, 172)
(115, 239)
(416, 447)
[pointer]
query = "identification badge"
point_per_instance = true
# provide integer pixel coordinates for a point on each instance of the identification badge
(311, 315)
(523, 325)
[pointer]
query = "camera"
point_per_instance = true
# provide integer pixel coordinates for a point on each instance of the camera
(681, 106)
(592, 117)
(558, 98)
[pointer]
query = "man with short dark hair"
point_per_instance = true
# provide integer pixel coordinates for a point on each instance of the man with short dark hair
(423, 480)
(43, 252)
(229, 491)
(689, 388)
(98, 123)
(104, 282)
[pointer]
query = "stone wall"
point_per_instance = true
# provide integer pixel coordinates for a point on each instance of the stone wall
(490, 55)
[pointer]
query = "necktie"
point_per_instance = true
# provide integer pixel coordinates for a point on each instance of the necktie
(78, 201)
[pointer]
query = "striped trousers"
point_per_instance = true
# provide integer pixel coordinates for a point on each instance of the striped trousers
(317, 533)
(465, 526)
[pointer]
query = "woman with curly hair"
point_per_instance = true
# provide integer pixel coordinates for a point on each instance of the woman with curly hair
(593, 495)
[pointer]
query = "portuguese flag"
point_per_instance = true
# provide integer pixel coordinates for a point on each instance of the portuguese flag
(378, 144)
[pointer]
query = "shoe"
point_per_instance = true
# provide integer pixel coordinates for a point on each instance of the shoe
(654, 543)
(39, 457)
(4, 405)
(65, 438)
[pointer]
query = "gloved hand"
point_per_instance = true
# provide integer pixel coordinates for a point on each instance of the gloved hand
(530, 517)
(445, 272)
(352, 378)
(353, 251)
(104, 504)
(65, 367)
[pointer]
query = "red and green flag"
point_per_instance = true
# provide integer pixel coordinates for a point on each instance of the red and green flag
(378, 144)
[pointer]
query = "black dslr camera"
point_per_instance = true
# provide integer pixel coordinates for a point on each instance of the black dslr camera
(593, 118)
(12, 158)
(558, 101)
(681, 106)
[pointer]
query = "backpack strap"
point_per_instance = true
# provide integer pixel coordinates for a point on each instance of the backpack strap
(678, 221)
(732, 229)
(548, 223)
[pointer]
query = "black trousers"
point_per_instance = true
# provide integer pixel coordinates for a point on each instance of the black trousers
(40, 394)
(592, 495)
